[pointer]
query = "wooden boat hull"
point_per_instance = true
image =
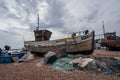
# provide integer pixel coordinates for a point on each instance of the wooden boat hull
(80, 44)
(111, 44)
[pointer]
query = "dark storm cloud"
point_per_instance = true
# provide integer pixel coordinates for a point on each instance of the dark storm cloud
(56, 12)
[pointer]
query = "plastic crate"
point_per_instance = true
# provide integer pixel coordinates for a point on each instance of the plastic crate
(6, 59)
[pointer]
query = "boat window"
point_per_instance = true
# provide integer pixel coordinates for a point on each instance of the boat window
(36, 34)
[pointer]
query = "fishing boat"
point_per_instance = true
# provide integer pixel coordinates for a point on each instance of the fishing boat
(78, 42)
(110, 40)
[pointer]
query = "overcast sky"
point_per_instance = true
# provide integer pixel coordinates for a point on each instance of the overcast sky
(18, 18)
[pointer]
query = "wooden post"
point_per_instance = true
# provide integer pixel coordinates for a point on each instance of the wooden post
(103, 29)
(38, 23)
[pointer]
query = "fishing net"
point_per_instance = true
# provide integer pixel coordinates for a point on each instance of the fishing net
(63, 64)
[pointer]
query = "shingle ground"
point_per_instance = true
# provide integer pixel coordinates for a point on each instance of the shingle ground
(29, 71)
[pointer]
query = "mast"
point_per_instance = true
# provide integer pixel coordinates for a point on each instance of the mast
(38, 23)
(103, 29)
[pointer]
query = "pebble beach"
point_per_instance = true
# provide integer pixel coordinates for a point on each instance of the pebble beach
(29, 71)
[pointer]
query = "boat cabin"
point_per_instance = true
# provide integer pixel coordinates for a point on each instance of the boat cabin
(110, 36)
(42, 35)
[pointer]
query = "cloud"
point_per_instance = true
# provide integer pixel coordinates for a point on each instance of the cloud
(19, 18)
(54, 14)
